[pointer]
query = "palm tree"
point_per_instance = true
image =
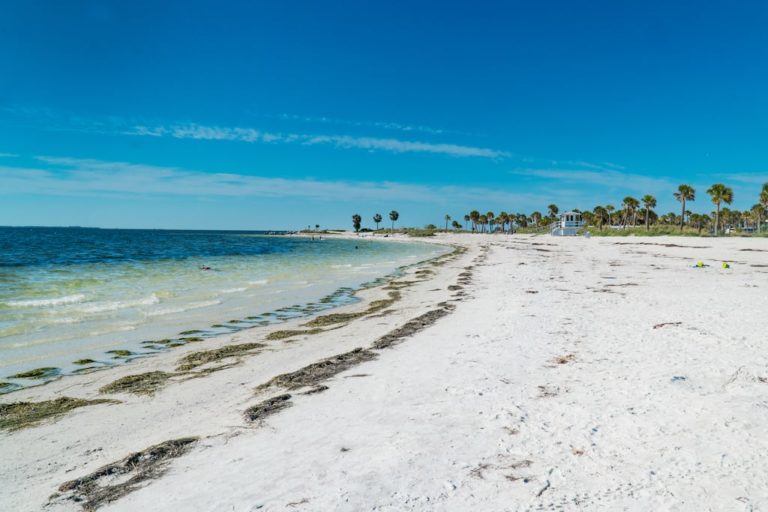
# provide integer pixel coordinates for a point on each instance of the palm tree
(466, 221)
(377, 219)
(552, 210)
(483, 221)
(536, 217)
(456, 225)
(600, 213)
(719, 194)
(503, 219)
(630, 208)
(684, 193)
(356, 220)
(650, 203)
(447, 219)
(763, 199)
(475, 216)
(757, 212)
(490, 217)
(317, 227)
(610, 209)
(393, 216)
(698, 220)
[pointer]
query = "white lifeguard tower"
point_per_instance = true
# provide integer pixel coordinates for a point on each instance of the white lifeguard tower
(569, 225)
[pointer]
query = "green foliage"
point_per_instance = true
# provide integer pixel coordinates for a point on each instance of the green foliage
(416, 233)
(641, 231)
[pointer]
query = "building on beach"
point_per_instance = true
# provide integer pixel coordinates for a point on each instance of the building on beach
(569, 224)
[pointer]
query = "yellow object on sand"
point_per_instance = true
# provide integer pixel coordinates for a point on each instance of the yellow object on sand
(726, 265)
(700, 264)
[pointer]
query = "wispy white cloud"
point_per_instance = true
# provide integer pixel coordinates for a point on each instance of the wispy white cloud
(367, 124)
(8, 155)
(219, 133)
(60, 121)
(66, 176)
(403, 146)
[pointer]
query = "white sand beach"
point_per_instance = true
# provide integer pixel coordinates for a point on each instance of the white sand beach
(541, 373)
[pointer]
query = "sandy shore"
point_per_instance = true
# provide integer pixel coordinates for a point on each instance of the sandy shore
(527, 373)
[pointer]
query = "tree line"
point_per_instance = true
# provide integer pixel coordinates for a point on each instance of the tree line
(357, 220)
(633, 212)
(630, 213)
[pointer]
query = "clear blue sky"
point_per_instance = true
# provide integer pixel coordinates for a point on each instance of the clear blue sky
(281, 114)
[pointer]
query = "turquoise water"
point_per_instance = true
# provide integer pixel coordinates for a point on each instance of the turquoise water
(70, 294)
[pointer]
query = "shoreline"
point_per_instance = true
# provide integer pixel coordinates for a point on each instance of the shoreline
(268, 350)
(184, 334)
(527, 372)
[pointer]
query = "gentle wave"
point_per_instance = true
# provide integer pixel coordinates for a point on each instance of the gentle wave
(258, 282)
(233, 290)
(181, 309)
(101, 307)
(42, 303)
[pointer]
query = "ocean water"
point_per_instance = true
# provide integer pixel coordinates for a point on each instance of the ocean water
(68, 294)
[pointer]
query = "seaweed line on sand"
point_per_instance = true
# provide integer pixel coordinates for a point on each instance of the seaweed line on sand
(140, 384)
(93, 490)
(315, 373)
(337, 318)
(195, 359)
(268, 407)
(19, 415)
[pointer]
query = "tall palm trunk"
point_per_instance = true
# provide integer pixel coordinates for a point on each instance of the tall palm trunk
(717, 219)
(682, 217)
(647, 219)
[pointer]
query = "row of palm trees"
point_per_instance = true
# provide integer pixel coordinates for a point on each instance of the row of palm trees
(630, 212)
(377, 218)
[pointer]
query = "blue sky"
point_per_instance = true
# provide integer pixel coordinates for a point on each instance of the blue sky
(283, 114)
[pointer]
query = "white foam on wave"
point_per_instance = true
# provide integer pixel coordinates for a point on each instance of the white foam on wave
(64, 320)
(347, 265)
(183, 308)
(233, 290)
(258, 282)
(102, 307)
(42, 303)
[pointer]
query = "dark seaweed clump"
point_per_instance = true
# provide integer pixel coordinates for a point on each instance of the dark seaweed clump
(16, 416)
(93, 492)
(268, 407)
(37, 373)
(337, 318)
(195, 359)
(316, 372)
(141, 384)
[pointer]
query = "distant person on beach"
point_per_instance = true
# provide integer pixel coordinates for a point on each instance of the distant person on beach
(205, 267)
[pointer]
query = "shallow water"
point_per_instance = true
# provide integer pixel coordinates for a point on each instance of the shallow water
(70, 293)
